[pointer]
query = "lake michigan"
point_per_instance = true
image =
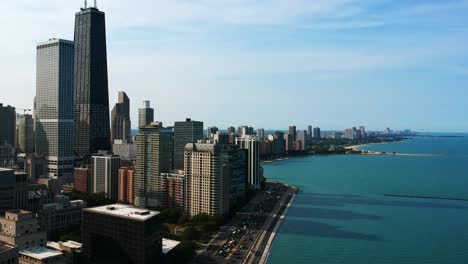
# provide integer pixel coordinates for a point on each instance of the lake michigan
(342, 215)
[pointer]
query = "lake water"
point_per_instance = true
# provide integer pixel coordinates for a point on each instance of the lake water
(342, 216)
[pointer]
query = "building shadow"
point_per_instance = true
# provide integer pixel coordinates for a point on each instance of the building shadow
(332, 214)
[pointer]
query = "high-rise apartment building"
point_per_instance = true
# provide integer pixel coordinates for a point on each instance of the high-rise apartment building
(8, 126)
(173, 189)
(350, 133)
(293, 132)
(54, 107)
(126, 185)
(120, 119)
(317, 134)
(185, 132)
(310, 132)
(303, 138)
(121, 234)
(92, 132)
(125, 149)
(207, 186)
(105, 175)
(261, 134)
(245, 131)
(154, 147)
(25, 133)
(83, 179)
(211, 132)
(288, 142)
(231, 130)
(252, 145)
(145, 114)
(235, 166)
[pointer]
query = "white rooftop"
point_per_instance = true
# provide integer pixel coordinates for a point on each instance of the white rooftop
(40, 253)
(124, 211)
(168, 245)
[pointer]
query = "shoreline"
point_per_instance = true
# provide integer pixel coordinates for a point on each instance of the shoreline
(266, 253)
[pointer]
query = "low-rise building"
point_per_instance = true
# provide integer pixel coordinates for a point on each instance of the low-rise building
(61, 214)
(71, 250)
(8, 254)
(20, 228)
(132, 234)
(41, 255)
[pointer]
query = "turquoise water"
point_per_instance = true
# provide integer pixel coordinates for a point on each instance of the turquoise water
(342, 216)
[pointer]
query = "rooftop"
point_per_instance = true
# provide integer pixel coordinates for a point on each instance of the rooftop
(124, 211)
(40, 253)
(5, 247)
(168, 245)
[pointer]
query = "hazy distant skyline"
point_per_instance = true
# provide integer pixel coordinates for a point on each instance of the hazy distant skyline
(265, 63)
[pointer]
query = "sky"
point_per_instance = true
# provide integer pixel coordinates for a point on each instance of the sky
(266, 63)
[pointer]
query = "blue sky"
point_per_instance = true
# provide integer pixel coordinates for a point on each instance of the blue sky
(331, 63)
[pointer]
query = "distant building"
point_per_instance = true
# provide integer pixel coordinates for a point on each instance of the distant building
(310, 132)
(261, 133)
(316, 133)
(185, 132)
(25, 133)
(220, 138)
(83, 180)
(211, 132)
(289, 143)
(231, 130)
(126, 150)
(303, 138)
(8, 254)
(35, 166)
(293, 132)
(54, 107)
(173, 189)
(266, 148)
(24, 232)
(133, 235)
(155, 147)
(350, 133)
(60, 215)
(120, 119)
(126, 185)
(252, 145)
(145, 114)
(278, 143)
(105, 175)
(206, 183)
(245, 131)
(8, 127)
(7, 189)
(235, 165)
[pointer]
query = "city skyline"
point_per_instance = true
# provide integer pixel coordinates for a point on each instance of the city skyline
(295, 57)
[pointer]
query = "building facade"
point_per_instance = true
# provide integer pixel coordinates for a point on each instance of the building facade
(155, 147)
(91, 111)
(7, 189)
(54, 107)
(132, 235)
(23, 230)
(252, 145)
(8, 127)
(105, 175)
(206, 185)
(126, 185)
(185, 132)
(83, 179)
(25, 133)
(125, 149)
(145, 114)
(120, 119)
(173, 189)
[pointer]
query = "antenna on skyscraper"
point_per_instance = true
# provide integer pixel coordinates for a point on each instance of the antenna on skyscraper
(85, 4)
(95, 3)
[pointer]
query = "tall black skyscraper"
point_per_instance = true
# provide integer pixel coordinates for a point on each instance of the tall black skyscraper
(92, 132)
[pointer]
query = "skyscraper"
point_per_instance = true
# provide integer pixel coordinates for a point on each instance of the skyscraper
(121, 125)
(185, 132)
(154, 147)
(211, 132)
(8, 126)
(207, 185)
(25, 133)
(293, 132)
(145, 114)
(106, 175)
(92, 132)
(310, 132)
(261, 133)
(317, 134)
(252, 145)
(54, 107)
